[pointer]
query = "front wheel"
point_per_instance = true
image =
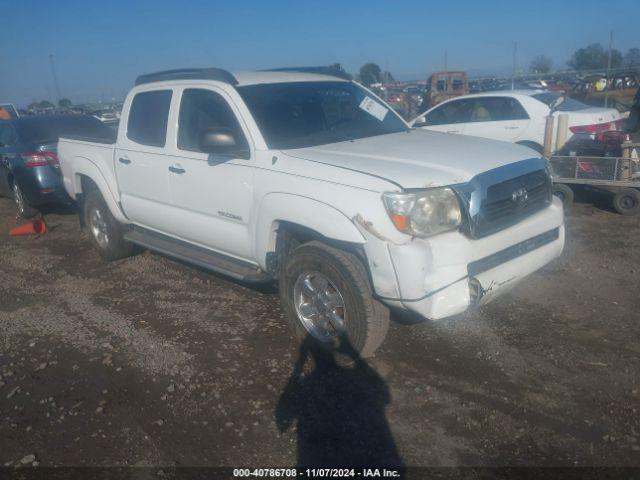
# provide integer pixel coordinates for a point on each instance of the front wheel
(105, 232)
(327, 298)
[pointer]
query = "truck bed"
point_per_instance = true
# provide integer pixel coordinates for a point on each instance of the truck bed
(92, 157)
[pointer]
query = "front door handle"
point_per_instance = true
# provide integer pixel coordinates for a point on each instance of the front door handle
(177, 169)
(126, 161)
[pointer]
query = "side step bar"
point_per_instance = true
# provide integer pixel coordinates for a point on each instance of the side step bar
(206, 259)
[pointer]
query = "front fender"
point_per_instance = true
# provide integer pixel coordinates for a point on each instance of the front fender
(307, 212)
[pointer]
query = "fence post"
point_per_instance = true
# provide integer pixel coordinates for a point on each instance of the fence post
(563, 131)
(548, 136)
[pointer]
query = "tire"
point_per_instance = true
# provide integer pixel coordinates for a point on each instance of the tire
(564, 193)
(105, 232)
(24, 209)
(365, 320)
(626, 201)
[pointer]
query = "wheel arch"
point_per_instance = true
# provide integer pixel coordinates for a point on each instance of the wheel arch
(531, 144)
(282, 217)
(86, 176)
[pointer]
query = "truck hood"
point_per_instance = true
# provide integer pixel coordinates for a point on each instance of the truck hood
(417, 158)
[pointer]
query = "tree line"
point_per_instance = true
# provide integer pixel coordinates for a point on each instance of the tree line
(591, 57)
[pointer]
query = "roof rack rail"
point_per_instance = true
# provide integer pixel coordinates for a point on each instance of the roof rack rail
(189, 74)
(330, 70)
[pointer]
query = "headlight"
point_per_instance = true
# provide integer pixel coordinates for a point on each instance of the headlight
(424, 213)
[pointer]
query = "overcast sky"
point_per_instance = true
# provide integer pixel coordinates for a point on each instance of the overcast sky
(100, 47)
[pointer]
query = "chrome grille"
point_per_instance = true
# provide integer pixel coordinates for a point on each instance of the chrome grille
(502, 197)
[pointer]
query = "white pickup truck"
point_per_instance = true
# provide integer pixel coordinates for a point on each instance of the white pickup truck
(311, 180)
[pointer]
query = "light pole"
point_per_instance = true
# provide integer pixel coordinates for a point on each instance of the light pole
(55, 77)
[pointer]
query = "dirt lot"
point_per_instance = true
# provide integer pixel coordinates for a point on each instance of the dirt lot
(148, 361)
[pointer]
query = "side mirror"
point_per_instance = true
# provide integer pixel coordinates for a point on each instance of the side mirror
(553, 106)
(217, 141)
(419, 121)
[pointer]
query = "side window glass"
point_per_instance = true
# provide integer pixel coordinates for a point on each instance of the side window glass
(482, 110)
(202, 110)
(494, 109)
(7, 135)
(517, 110)
(451, 112)
(148, 118)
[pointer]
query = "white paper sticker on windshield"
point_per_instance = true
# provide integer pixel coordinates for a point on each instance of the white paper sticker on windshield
(372, 107)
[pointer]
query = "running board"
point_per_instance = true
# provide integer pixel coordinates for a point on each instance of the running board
(206, 259)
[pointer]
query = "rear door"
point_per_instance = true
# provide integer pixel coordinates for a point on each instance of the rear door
(141, 162)
(213, 193)
(448, 117)
(498, 118)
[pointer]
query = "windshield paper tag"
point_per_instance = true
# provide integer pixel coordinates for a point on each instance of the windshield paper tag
(373, 108)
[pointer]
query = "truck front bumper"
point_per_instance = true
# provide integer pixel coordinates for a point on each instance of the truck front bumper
(441, 276)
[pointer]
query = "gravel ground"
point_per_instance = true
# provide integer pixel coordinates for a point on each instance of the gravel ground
(147, 361)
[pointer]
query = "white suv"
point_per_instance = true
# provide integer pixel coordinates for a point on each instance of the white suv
(312, 181)
(516, 116)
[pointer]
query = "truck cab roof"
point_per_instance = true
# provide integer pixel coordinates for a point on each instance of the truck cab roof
(307, 74)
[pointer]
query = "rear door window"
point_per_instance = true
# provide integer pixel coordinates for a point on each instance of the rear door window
(495, 109)
(148, 118)
(457, 111)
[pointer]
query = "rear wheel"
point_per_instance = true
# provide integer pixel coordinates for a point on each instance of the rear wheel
(564, 193)
(327, 299)
(105, 232)
(24, 209)
(626, 201)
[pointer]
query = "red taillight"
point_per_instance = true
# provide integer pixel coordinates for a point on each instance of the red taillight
(595, 128)
(40, 159)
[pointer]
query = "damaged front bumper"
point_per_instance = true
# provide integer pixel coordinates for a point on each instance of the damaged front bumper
(441, 276)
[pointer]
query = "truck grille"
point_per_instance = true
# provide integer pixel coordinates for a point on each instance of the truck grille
(497, 201)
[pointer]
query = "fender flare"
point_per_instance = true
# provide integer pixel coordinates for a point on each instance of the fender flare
(83, 166)
(304, 211)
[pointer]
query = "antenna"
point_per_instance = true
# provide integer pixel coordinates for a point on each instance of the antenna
(55, 77)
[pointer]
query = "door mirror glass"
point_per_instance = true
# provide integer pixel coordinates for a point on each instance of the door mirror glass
(553, 106)
(217, 141)
(420, 121)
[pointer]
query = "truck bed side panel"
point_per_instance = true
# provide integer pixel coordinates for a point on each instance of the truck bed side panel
(95, 161)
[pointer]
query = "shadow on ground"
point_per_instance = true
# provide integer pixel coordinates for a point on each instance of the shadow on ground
(340, 411)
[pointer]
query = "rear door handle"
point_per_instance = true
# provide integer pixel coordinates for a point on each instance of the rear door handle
(177, 169)
(126, 161)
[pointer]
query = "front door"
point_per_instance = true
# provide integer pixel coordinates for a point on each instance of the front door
(214, 193)
(448, 117)
(142, 163)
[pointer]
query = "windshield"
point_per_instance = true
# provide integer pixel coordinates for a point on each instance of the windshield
(568, 105)
(305, 114)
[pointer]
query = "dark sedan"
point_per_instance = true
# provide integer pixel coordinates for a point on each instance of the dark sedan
(29, 168)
